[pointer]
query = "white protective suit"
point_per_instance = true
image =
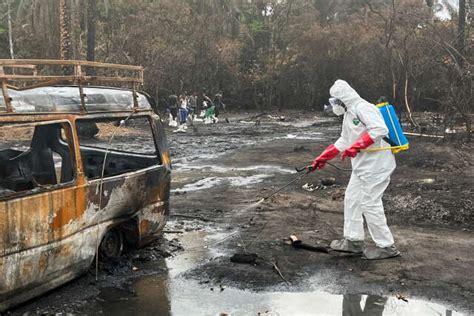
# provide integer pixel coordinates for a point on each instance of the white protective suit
(370, 170)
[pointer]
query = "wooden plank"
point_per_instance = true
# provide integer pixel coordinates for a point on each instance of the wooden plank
(12, 62)
(69, 78)
(79, 76)
(21, 66)
(6, 96)
(37, 85)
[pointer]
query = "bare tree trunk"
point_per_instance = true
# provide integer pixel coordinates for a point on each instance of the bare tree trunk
(394, 87)
(65, 51)
(200, 6)
(394, 79)
(75, 9)
(410, 116)
(461, 36)
(10, 32)
(91, 28)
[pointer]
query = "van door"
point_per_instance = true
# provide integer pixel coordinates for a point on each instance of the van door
(40, 205)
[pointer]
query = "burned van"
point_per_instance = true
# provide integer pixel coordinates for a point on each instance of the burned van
(83, 170)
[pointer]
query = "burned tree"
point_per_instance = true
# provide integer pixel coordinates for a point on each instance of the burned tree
(65, 47)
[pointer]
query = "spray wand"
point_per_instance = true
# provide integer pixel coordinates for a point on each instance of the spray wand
(303, 173)
(308, 169)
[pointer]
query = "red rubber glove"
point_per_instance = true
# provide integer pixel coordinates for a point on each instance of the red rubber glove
(328, 154)
(363, 142)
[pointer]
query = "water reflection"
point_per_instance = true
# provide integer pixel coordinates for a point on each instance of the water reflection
(354, 305)
(159, 295)
(151, 298)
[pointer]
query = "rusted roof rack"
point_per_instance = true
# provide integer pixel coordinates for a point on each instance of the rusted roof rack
(12, 70)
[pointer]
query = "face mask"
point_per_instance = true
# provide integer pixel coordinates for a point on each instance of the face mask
(337, 107)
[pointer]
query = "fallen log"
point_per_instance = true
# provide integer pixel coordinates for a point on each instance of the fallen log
(297, 243)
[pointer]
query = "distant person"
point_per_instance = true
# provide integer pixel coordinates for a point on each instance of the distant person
(192, 104)
(219, 105)
(199, 101)
(183, 113)
(192, 100)
(206, 98)
(362, 127)
(206, 103)
(163, 106)
(173, 109)
(183, 101)
(210, 117)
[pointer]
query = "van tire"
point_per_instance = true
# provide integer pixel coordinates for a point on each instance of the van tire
(112, 245)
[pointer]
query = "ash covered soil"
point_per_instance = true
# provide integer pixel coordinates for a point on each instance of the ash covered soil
(220, 172)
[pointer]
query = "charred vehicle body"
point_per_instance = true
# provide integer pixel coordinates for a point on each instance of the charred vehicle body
(83, 170)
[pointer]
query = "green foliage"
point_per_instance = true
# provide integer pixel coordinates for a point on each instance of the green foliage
(255, 26)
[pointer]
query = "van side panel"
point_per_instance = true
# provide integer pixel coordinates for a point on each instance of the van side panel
(48, 238)
(37, 250)
(56, 233)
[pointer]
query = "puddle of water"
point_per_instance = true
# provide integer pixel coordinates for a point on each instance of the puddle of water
(223, 169)
(300, 124)
(171, 294)
(246, 181)
(306, 136)
(202, 184)
(199, 246)
(183, 297)
(210, 182)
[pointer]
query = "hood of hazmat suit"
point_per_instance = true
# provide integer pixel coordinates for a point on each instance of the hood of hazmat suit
(371, 170)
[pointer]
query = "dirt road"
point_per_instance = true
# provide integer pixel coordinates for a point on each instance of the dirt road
(221, 170)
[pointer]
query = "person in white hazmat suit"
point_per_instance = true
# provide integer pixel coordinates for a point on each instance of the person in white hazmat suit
(363, 127)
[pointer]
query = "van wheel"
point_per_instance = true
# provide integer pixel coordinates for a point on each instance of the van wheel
(111, 245)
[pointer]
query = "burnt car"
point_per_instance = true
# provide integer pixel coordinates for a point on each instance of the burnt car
(83, 170)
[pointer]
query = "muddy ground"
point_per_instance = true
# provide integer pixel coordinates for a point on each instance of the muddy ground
(221, 170)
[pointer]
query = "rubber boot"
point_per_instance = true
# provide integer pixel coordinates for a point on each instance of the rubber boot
(376, 253)
(346, 245)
